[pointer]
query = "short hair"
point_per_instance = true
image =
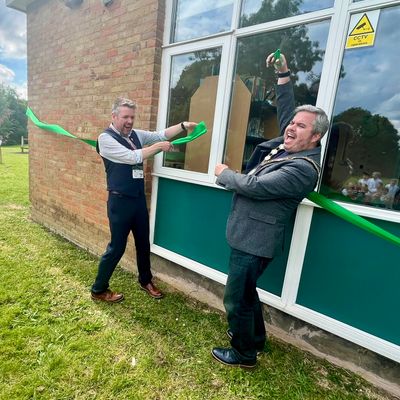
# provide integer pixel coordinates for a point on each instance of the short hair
(321, 122)
(122, 102)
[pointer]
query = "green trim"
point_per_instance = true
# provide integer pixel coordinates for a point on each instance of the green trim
(352, 276)
(354, 219)
(191, 221)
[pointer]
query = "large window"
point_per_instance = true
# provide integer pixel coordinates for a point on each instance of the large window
(259, 11)
(253, 113)
(192, 95)
(362, 162)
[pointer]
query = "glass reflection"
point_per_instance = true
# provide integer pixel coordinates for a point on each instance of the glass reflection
(259, 11)
(252, 112)
(194, 19)
(362, 162)
(192, 97)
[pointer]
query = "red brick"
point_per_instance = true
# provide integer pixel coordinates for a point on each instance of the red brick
(92, 55)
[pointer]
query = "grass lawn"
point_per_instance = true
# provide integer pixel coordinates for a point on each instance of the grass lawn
(55, 343)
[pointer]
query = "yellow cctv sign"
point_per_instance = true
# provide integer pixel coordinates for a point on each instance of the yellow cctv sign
(362, 29)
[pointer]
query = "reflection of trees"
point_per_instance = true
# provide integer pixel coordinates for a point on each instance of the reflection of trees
(204, 63)
(337, 165)
(271, 10)
(301, 54)
(375, 141)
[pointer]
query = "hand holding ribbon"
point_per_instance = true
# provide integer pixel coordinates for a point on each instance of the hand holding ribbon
(199, 130)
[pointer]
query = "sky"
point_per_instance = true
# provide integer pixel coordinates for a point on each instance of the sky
(13, 49)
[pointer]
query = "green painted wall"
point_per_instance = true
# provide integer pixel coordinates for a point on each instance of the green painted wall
(191, 220)
(352, 276)
(348, 274)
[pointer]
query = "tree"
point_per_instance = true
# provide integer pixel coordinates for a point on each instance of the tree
(204, 63)
(13, 121)
(374, 143)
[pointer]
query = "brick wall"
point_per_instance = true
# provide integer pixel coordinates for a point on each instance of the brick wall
(80, 60)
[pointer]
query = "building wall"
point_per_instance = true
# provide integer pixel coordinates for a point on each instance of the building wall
(80, 60)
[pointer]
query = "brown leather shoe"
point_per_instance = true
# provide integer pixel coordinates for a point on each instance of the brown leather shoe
(152, 290)
(108, 296)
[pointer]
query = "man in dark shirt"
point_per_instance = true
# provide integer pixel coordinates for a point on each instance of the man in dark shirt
(123, 153)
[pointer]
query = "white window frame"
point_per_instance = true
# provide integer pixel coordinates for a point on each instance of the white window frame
(223, 42)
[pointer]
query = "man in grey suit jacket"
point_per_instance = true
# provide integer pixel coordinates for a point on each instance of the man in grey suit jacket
(280, 173)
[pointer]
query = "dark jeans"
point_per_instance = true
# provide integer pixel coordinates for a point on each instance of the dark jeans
(125, 215)
(242, 305)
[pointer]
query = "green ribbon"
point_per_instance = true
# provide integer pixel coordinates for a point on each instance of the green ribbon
(55, 128)
(354, 219)
(200, 129)
(315, 197)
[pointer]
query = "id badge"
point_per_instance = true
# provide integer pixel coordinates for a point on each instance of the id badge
(137, 172)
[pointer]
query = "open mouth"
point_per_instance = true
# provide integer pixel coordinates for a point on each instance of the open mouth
(290, 137)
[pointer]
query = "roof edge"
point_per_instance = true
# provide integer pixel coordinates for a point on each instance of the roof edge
(20, 5)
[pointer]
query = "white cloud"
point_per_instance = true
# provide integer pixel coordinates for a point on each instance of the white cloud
(21, 90)
(188, 8)
(7, 78)
(390, 108)
(6, 75)
(12, 33)
(13, 49)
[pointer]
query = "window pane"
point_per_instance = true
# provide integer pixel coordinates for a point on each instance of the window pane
(252, 112)
(194, 19)
(259, 11)
(192, 96)
(363, 156)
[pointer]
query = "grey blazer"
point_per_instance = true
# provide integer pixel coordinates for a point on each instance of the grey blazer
(263, 203)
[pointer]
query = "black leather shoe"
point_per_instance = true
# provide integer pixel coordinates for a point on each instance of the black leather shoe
(259, 348)
(229, 357)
